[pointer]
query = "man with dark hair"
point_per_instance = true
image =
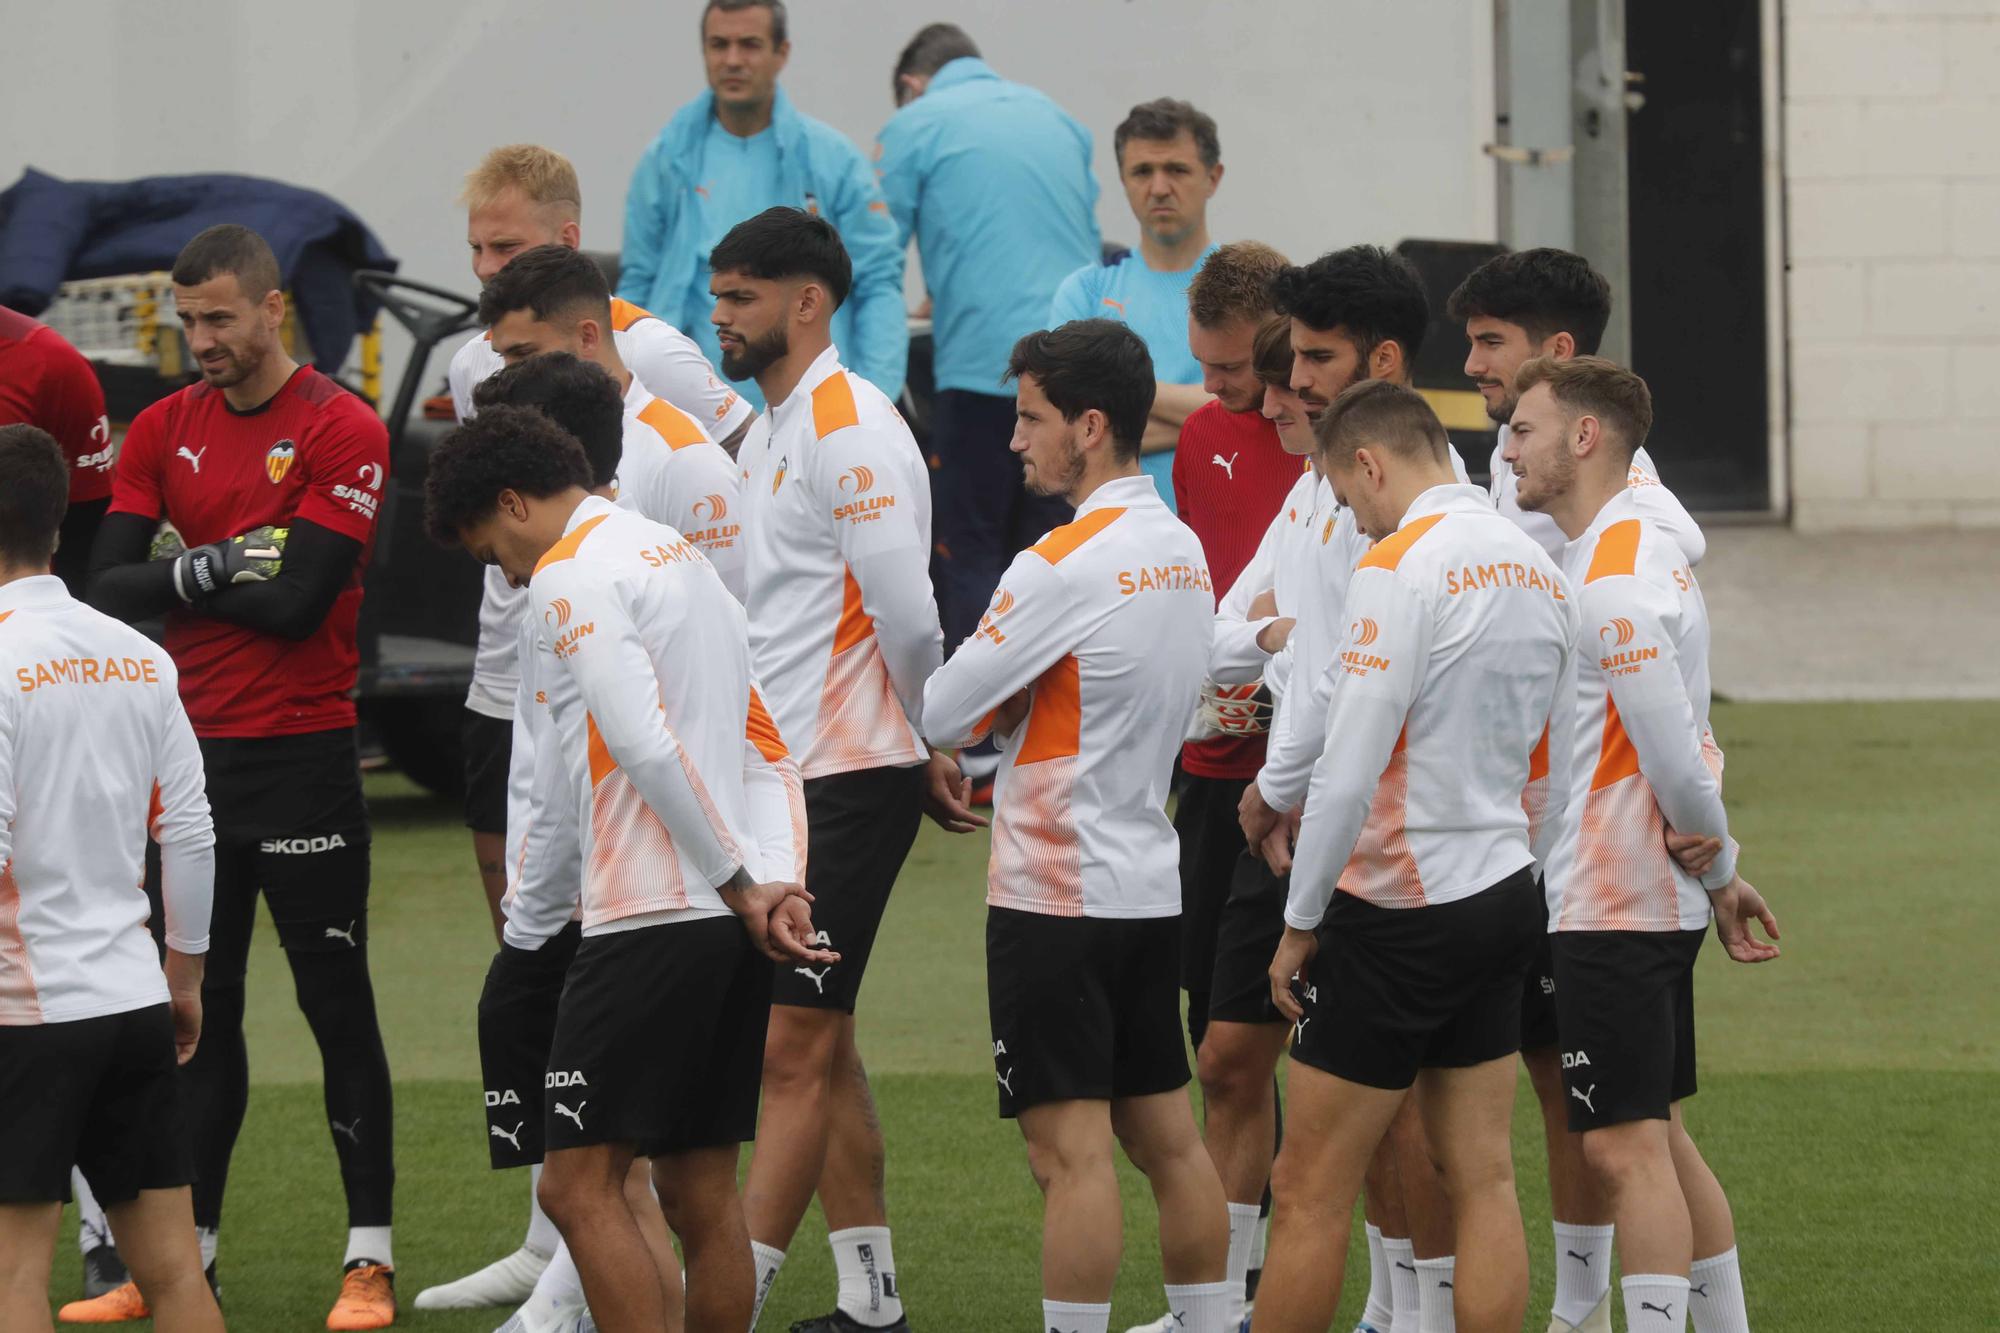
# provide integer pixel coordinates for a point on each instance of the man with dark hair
(272, 474)
(1412, 911)
(1170, 163)
(660, 784)
(47, 383)
(579, 396)
(1627, 909)
(739, 148)
(1356, 314)
(1515, 307)
(1088, 666)
(95, 757)
(992, 178)
(843, 635)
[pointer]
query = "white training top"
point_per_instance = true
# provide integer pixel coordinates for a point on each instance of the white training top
(1450, 701)
(669, 365)
(96, 755)
(677, 771)
(1659, 501)
(673, 473)
(1106, 622)
(843, 625)
(1280, 566)
(1644, 760)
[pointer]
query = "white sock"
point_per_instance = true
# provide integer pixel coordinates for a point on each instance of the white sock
(1210, 1307)
(1244, 1224)
(1583, 1270)
(1259, 1239)
(1066, 1317)
(1380, 1313)
(1655, 1303)
(867, 1271)
(769, 1260)
(1403, 1284)
(369, 1244)
(208, 1237)
(559, 1286)
(542, 1235)
(1434, 1296)
(93, 1227)
(1715, 1295)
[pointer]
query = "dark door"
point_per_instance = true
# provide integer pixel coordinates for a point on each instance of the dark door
(1697, 246)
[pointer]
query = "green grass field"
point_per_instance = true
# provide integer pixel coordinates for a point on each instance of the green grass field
(1849, 1091)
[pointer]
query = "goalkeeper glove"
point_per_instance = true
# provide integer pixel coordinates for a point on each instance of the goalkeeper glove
(167, 543)
(251, 557)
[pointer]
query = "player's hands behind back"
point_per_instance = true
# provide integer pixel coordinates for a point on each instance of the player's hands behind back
(255, 556)
(1736, 906)
(779, 919)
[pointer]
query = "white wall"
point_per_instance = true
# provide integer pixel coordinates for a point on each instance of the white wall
(1892, 185)
(1340, 122)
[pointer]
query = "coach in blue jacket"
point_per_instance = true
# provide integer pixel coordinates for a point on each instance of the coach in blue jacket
(733, 152)
(993, 180)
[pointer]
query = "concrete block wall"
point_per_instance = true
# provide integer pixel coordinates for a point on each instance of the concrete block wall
(1892, 198)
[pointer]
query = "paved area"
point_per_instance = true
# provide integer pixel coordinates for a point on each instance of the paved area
(1862, 615)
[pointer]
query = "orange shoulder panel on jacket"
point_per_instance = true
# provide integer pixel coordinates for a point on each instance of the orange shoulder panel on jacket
(833, 406)
(567, 547)
(1617, 551)
(671, 424)
(1389, 552)
(1067, 538)
(624, 315)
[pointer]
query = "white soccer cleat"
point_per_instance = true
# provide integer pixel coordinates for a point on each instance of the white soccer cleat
(1597, 1321)
(1166, 1323)
(504, 1282)
(569, 1317)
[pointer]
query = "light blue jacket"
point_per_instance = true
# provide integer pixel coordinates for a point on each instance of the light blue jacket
(663, 264)
(993, 179)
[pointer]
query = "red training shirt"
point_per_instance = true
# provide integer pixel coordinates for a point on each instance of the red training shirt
(1230, 476)
(314, 452)
(47, 383)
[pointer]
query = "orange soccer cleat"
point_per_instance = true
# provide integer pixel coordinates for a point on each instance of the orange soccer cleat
(367, 1298)
(120, 1305)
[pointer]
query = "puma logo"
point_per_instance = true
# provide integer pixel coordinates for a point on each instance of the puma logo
(1701, 1291)
(352, 1131)
(512, 1136)
(1299, 1029)
(192, 457)
(1408, 1268)
(336, 933)
(1663, 1311)
(1585, 1097)
(1583, 1258)
(1006, 1080)
(576, 1115)
(818, 978)
(1229, 464)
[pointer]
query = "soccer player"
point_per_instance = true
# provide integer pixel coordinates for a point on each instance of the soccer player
(1170, 163)
(1413, 911)
(1356, 314)
(1089, 665)
(843, 635)
(738, 148)
(1626, 915)
(46, 382)
(993, 180)
(687, 815)
(93, 739)
(272, 474)
(1517, 306)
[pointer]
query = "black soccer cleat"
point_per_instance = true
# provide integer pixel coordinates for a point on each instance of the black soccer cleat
(839, 1321)
(103, 1271)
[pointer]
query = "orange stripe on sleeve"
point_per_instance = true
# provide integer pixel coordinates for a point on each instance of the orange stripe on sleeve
(602, 765)
(624, 315)
(856, 626)
(569, 545)
(1066, 539)
(833, 406)
(1617, 551)
(1055, 716)
(1389, 552)
(1616, 758)
(1538, 758)
(671, 424)
(762, 732)
(154, 809)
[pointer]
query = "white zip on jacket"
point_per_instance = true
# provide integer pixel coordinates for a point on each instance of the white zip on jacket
(1644, 760)
(665, 363)
(96, 755)
(1451, 698)
(677, 772)
(837, 521)
(1107, 623)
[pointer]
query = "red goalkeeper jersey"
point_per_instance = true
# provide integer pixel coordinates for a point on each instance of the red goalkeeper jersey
(47, 383)
(314, 452)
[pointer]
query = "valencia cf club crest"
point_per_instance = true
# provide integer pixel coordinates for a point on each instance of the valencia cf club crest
(278, 460)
